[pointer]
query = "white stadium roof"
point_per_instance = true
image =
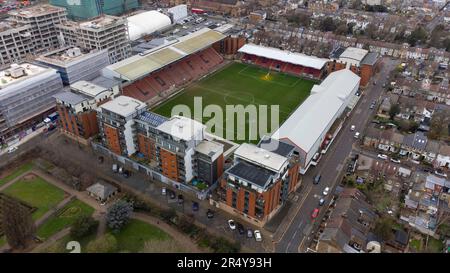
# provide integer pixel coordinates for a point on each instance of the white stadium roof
(312, 117)
(147, 23)
(284, 56)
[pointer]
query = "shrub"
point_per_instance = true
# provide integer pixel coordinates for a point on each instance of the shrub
(83, 226)
(119, 215)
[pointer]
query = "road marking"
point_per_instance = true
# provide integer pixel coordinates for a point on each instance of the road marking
(339, 167)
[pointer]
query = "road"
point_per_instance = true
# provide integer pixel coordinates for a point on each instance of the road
(295, 237)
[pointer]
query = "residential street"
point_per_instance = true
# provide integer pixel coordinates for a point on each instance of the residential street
(300, 227)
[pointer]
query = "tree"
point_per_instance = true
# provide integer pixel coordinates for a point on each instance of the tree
(383, 228)
(83, 226)
(419, 35)
(327, 24)
(394, 110)
(119, 215)
(17, 223)
(104, 244)
(371, 31)
(222, 245)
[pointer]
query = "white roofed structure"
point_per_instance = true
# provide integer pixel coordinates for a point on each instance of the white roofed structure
(147, 23)
(284, 56)
(123, 106)
(308, 125)
(261, 157)
(183, 128)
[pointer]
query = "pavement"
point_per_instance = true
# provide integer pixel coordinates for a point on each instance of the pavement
(298, 234)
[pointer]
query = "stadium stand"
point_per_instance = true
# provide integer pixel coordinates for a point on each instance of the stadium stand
(152, 74)
(287, 62)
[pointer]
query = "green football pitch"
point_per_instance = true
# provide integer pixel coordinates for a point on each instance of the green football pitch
(242, 84)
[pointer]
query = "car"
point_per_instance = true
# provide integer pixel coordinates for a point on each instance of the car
(231, 224)
(240, 228)
(321, 202)
(317, 179)
(358, 93)
(195, 206)
(382, 156)
(258, 236)
(163, 191)
(352, 128)
(180, 199)
(372, 106)
(440, 173)
(356, 135)
(325, 191)
(12, 149)
(172, 195)
(374, 82)
(249, 233)
(315, 213)
(209, 214)
(395, 160)
(126, 173)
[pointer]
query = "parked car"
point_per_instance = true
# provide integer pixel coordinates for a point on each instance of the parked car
(195, 206)
(249, 233)
(440, 173)
(180, 199)
(258, 236)
(321, 202)
(325, 191)
(382, 156)
(315, 213)
(317, 179)
(240, 228)
(163, 191)
(172, 195)
(352, 128)
(231, 224)
(356, 135)
(209, 214)
(12, 149)
(115, 168)
(395, 160)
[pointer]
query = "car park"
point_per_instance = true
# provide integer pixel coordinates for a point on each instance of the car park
(258, 236)
(231, 224)
(382, 156)
(317, 179)
(315, 213)
(325, 191)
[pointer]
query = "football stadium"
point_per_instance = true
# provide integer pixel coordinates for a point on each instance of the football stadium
(191, 66)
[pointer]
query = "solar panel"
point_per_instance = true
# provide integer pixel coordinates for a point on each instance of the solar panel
(153, 119)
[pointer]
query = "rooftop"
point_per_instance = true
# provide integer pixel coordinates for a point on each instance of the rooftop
(70, 97)
(145, 63)
(152, 119)
(284, 56)
(97, 24)
(123, 106)
(275, 146)
(261, 157)
(354, 53)
(251, 173)
(209, 148)
(37, 10)
(182, 128)
(370, 59)
(19, 72)
(105, 82)
(305, 125)
(102, 190)
(65, 56)
(88, 88)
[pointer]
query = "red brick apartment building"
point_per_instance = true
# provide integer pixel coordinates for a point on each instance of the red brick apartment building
(259, 181)
(360, 61)
(77, 107)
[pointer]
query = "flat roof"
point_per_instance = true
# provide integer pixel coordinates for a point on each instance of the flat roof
(145, 63)
(284, 56)
(251, 173)
(88, 88)
(31, 70)
(152, 119)
(61, 57)
(36, 10)
(307, 123)
(182, 128)
(70, 97)
(100, 22)
(273, 145)
(371, 58)
(123, 106)
(105, 82)
(354, 53)
(209, 148)
(261, 157)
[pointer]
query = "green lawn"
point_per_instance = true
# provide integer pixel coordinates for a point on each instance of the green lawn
(2, 241)
(242, 84)
(37, 193)
(136, 233)
(65, 218)
(17, 172)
